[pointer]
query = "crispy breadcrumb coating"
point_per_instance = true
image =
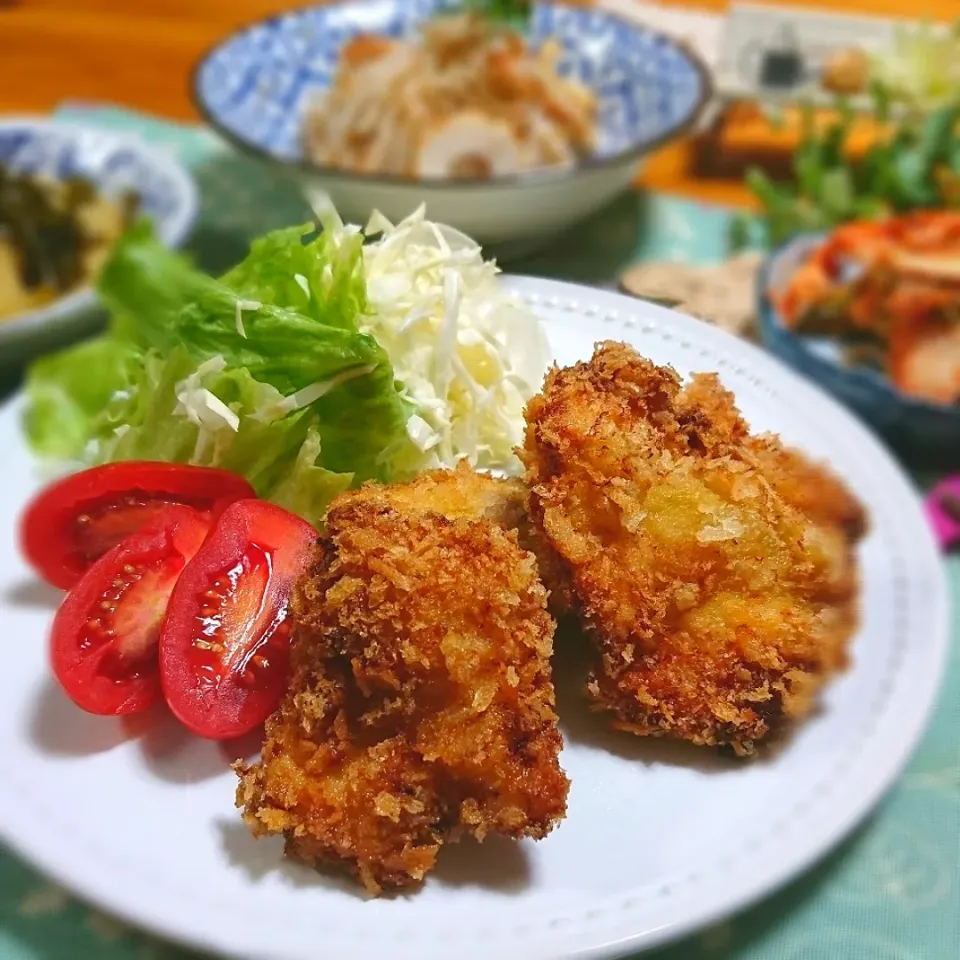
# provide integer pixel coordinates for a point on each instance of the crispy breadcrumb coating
(808, 486)
(465, 494)
(713, 571)
(421, 705)
(458, 494)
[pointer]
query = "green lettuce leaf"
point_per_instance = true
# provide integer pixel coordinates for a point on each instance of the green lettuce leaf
(306, 489)
(163, 302)
(68, 391)
(289, 394)
(281, 454)
(321, 279)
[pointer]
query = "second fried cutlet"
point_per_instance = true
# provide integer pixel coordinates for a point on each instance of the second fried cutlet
(715, 577)
(709, 412)
(421, 706)
(464, 494)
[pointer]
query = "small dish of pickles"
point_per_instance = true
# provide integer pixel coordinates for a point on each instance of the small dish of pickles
(67, 193)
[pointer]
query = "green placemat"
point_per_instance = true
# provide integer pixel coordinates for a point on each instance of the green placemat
(891, 892)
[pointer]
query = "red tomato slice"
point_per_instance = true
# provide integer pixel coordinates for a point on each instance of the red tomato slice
(78, 519)
(224, 648)
(104, 641)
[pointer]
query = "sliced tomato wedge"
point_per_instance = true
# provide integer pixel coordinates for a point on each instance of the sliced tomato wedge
(105, 634)
(224, 648)
(77, 520)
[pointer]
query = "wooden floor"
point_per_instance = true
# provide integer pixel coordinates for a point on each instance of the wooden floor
(139, 53)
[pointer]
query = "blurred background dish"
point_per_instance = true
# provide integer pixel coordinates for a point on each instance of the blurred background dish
(66, 193)
(259, 86)
(55, 236)
(465, 98)
(917, 426)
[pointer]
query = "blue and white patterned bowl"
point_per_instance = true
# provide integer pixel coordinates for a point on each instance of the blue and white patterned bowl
(917, 428)
(115, 163)
(254, 88)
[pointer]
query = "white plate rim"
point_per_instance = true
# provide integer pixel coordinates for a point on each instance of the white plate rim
(30, 835)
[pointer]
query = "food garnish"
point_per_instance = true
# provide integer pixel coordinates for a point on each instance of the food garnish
(76, 520)
(104, 638)
(174, 379)
(275, 371)
(467, 354)
(124, 537)
(514, 13)
(224, 647)
(54, 236)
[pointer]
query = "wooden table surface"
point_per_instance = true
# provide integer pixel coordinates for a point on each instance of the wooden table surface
(139, 55)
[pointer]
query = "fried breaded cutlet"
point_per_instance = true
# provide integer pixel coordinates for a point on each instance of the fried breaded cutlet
(421, 705)
(713, 571)
(802, 483)
(458, 494)
(463, 493)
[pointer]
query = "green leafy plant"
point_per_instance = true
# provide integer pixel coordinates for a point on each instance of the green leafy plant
(514, 13)
(916, 167)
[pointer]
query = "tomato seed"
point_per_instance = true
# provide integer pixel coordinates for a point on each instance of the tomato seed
(210, 645)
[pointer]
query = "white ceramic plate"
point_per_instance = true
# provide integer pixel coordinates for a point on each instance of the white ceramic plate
(660, 839)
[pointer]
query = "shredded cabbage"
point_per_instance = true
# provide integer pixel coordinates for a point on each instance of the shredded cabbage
(922, 68)
(467, 354)
(313, 365)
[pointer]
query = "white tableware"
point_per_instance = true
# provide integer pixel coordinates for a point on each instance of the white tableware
(660, 838)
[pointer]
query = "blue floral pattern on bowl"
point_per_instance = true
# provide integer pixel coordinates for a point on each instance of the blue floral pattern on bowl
(914, 426)
(255, 86)
(115, 164)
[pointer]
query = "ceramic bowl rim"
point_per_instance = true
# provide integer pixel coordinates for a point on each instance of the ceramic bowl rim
(537, 176)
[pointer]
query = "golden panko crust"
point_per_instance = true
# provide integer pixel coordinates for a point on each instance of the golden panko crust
(714, 571)
(421, 705)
